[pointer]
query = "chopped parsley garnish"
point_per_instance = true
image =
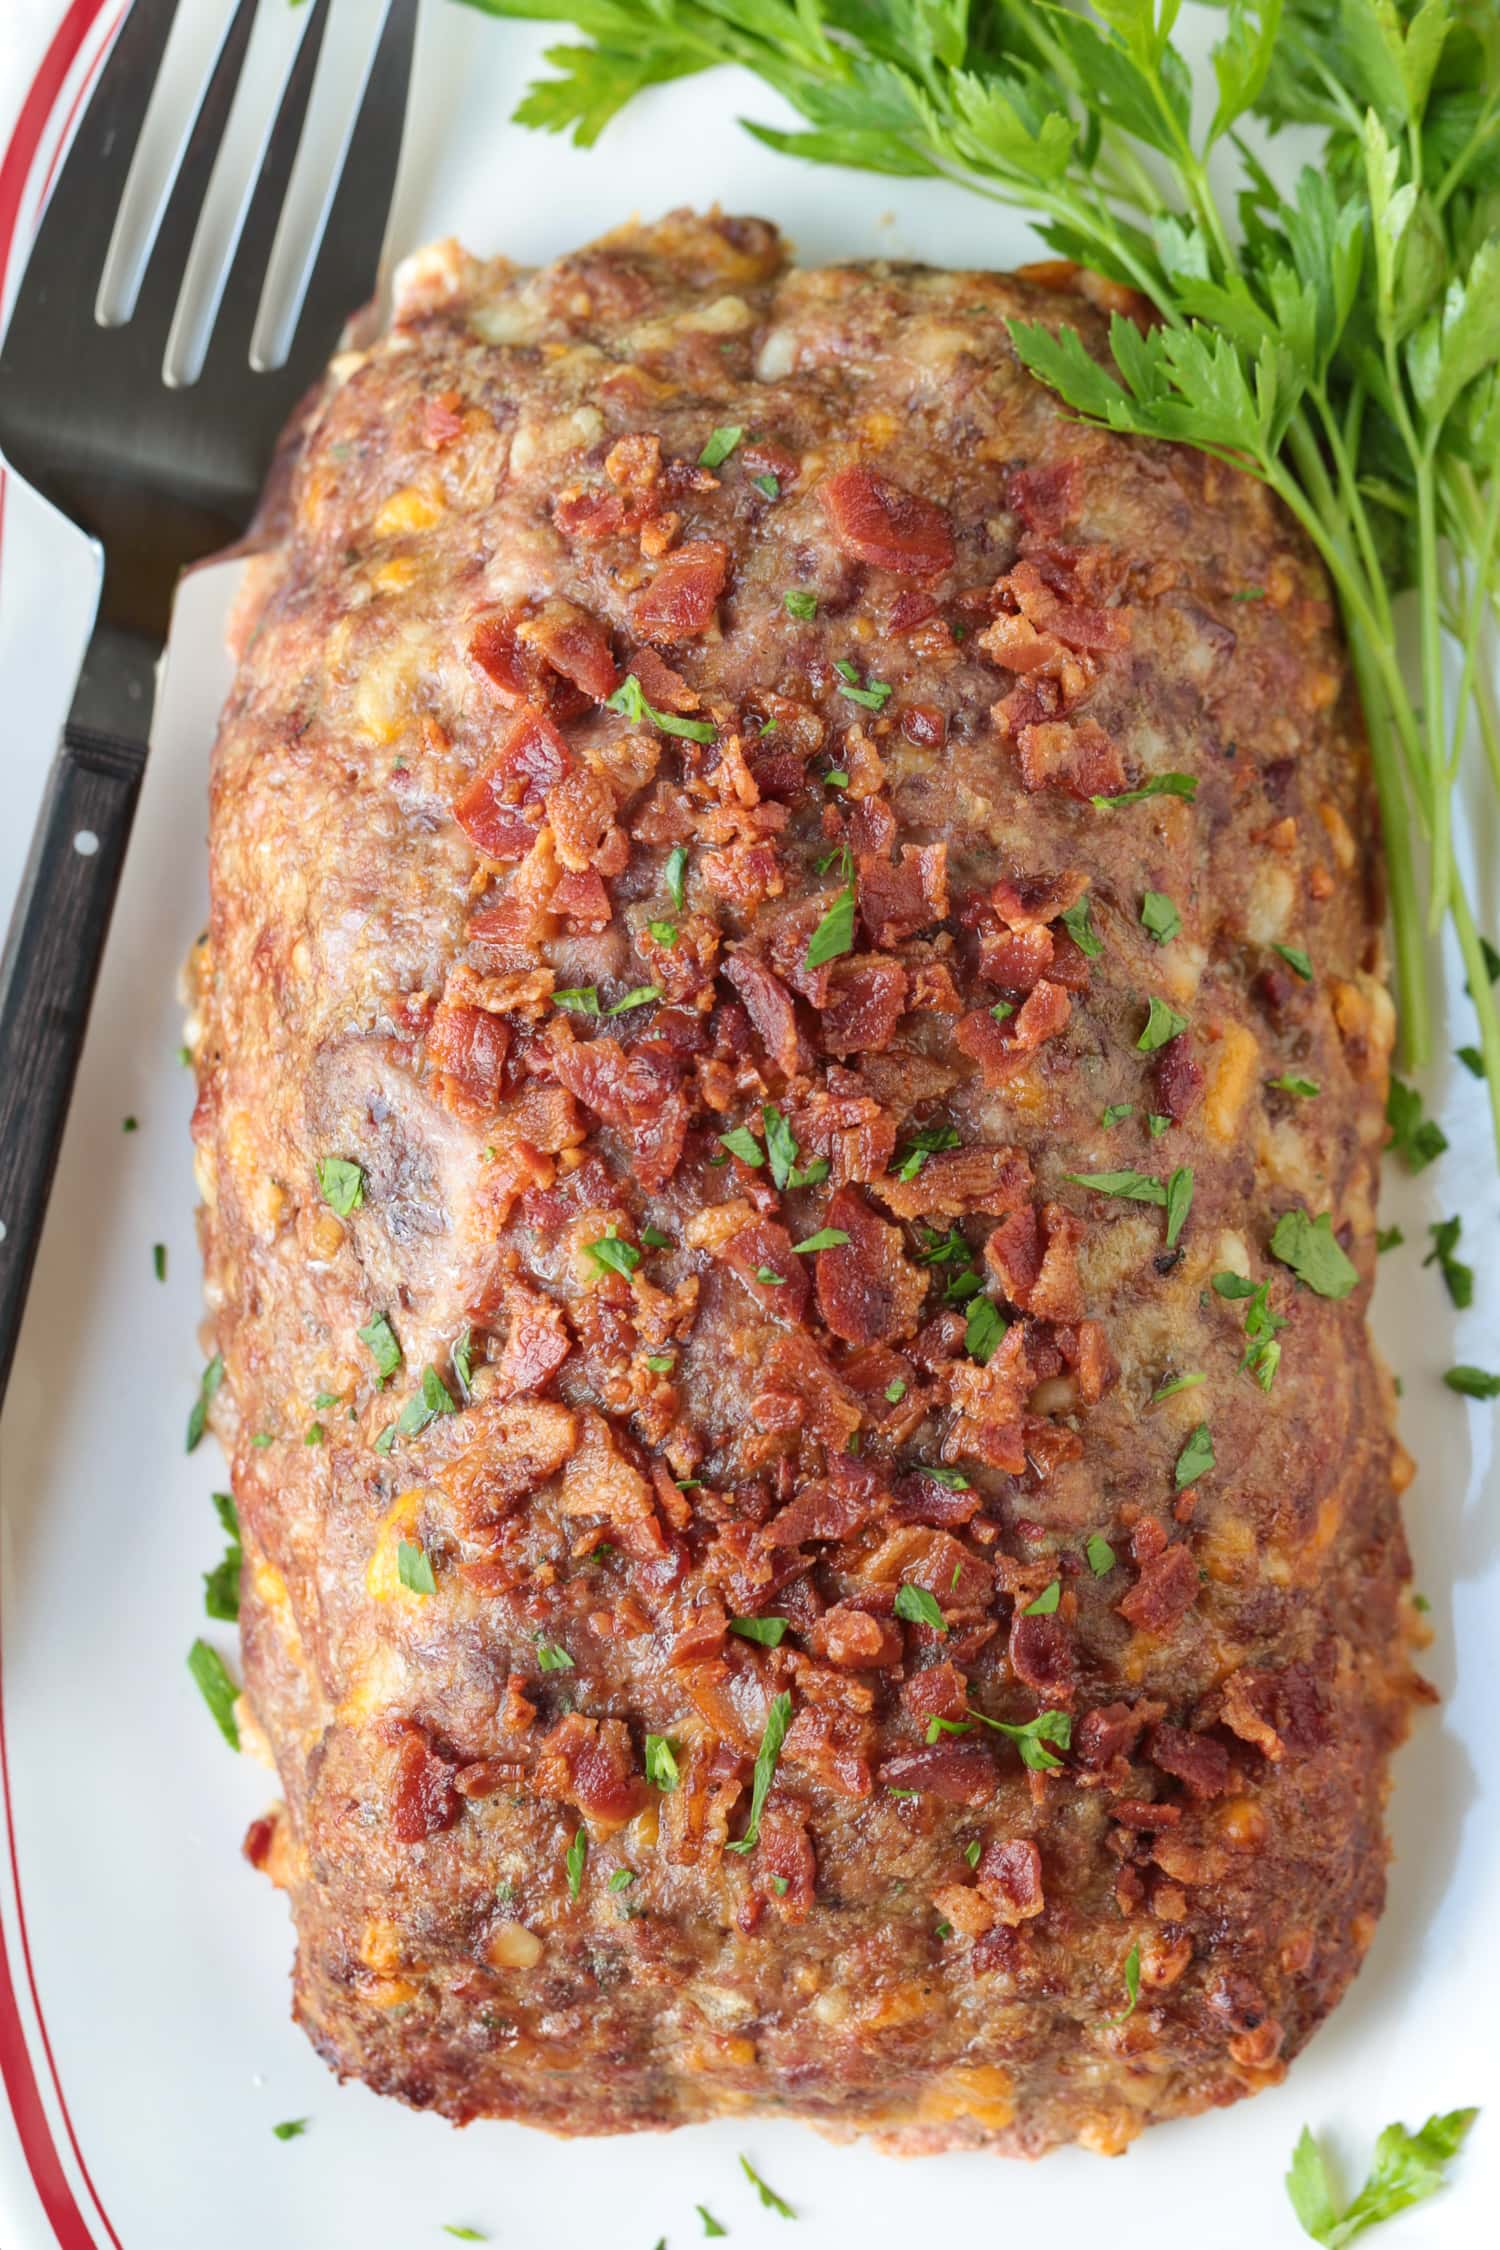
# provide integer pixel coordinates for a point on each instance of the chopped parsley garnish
(1081, 930)
(613, 1255)
(927, 1142)
(826, 1238)
(314, 1434)
(936, 1249)
(1046, 1601)
(208, 1384)
(1160, 785)
(661, 1763)
(386, 1439)
(630, 701)
(1388, 1238)
(743, 1144)
(1458, 1279)
(1249, 594)
(578, 999)
(1297, 961)
(1156, 1124)
(1116, 1114)
(1196, 1458)
(1174, 1384)
(1132, 1984)
(770, 1632)
(1472, 1060)
(1160, 918)
(216, 1688)
(660, 1363)
(895, 1391)
(1408, 2168)
(1179, 1202)
(835, 778)
(379, 1340)
(426, 1404)
(463, 1364)
(414, 1568)
(721, 443)
(973, 1851)
(221, 1585)
(1101, 1555)
(711, 2225)
(1414, 1138)
(341, 1184)
(1162, 1023)
(952, 1478)
(675, 875)
(1262, 1326)
(291, 2128)
(1472, 1382)
(159, 1260)
(574, 1859)
(781, 1145)
(641, 997)
(985, 1329)
(1032, 1737)
(551, 1658)
(917, 1607)
(873, 695)
(768, 2196)
(778, 1719)
(1303, 1088)
(769, 1278)
(622, 1879)
(1002, 1009)
(800, 605)
(664, 933)
(466, 2234)
(905, 1796)
(1307, 1245)
(1131, 1187)
(835, 933)
(769, 485)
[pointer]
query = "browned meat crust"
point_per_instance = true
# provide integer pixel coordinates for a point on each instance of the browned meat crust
(843, 832)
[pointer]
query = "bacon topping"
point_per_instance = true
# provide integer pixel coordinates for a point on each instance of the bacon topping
(467, 1048)
(866, 1000)
(423, 1799)
(1195, 1759)
(1010, 1876)
(1002, 1049)
(1164, 1592)
(869, 1292)
(879, 523)
(681, 599)
(1179, 1078)
(961, 1773)
(898, 897)
(1073, 755)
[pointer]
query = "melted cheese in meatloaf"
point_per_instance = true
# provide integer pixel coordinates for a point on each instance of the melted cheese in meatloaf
(734, 811)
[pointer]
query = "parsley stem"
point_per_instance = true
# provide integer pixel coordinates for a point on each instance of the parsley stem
(1430, 593)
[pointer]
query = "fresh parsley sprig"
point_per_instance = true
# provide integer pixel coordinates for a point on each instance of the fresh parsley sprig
(1339, 339)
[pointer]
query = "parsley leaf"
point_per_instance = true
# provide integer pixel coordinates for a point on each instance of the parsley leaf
(1160, 785)
(551, 1657)
(1159, 917)
(1132, 1984)
(662, 1770)
(1116, 1114)
(781, 1145)
(1415, 1138)
(676, 875)
(1472, 1382)
(768, 2196)
(931, 1138)
(826, 1238)
(711, 2225)
(341, 1183)
(426, 1405)
(578, 999)
(1408, 2168)
(641, 997)
(804, 606)
(1162, 1023)
(916, 1606)
(873, 695)
(1081, 930)
(1458, 1279)
(1296, 960)
(1033, 1736)
(1196, 1458)
(414, 1568)
(1307, 1245)
(1046, 1601)
(721, 443)
(770, 1632)
(835, 933)
(1100, 1554)
(216, 1688)
(985, 1329)
(291, 2128)
(379, 1340)
(1131, 1187)
(630, 701)
(1303, 1088)
(614, 1256)
(208, 1384)
(574, 1860)
(778, 1719)
(1179, 1202)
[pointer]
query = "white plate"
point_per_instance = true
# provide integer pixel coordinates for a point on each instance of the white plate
(155, 1959)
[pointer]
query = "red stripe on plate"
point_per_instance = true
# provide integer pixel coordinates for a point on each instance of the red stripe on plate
(70, 2229)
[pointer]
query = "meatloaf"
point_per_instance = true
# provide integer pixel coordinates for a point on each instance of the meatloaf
(792, 1048)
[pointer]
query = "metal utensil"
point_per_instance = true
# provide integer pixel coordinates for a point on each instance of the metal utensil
(158, 477)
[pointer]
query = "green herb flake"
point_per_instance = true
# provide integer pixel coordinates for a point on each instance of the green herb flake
(630, 701)
(1100, 1554)
(916, 1606)
(551, 1657)
(984, 1330)
(660, 1363)
(662, 1770)
(769, 1278)
(1162, 1023)
(769, 1632)
(778, 1719)
(932, 1138)
(1160, 918)
(622, 1879)
(216, 1688)
(870, 695)
(1132, 1985)
(466, 2234)
(1179, 1202)
(1297, 961)
(711, 2225)
(1046, 1601)
(612, 1255)
(314, 1434)
(159, 1260)
(1458, 1279)
(641, 997)
(768, 2196)
(1415, 1138)
(826, 1238)
(1160, 785)
(663, 933)
(578, 999)
(675, 875)
(1081, 930)
(768, 484)
(895, 1391)
(1130, 1187)
(1307, 1245)
(1472, 1382)
(426, 1404)
(1196, 1458)
(743, 1144)
(291, 2128)
(1408, 2168)
(1116, 1114)
(1303, 1088)
(1388, 1238)
(341, 1184)
(1031, 1737)
(379, 1340)
(130, 1125)
(721, 443)
(834, 935)
(208, 1384)
(574, 1859)
(414, 1568)
(1472, 1060)
(800, 605)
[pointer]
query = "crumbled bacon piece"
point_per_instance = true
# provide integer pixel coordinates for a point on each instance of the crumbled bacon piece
(785, 1867)
(849, 1497)
(520, 1445)
(574, 645)
(866, 1000)
(1034, 1255)
(1010, 1875)
(1109, 1732)
(582, 900)
(1195, 1759)
(869, 1292)
(763, 1257)
(442, 419)
(898, 897)
(769, 1007)
(259, 1837)
(590, 1763)
(1164, 1592)
(1026, 902)
(939, 1692)
(1047, 499)
(927, 726)
(1016, 960)
(639, 1093)
(1041, 1654)
(960, 1773)
(590, 515)
(680, 601)
(1179, 1078)
(882, 524)
(853, 1638)
(1073, 755)
(633, 463)
(467, 1048)
(955, 1182)
(1002, 1049)
(423, 1799)
(585, 835)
